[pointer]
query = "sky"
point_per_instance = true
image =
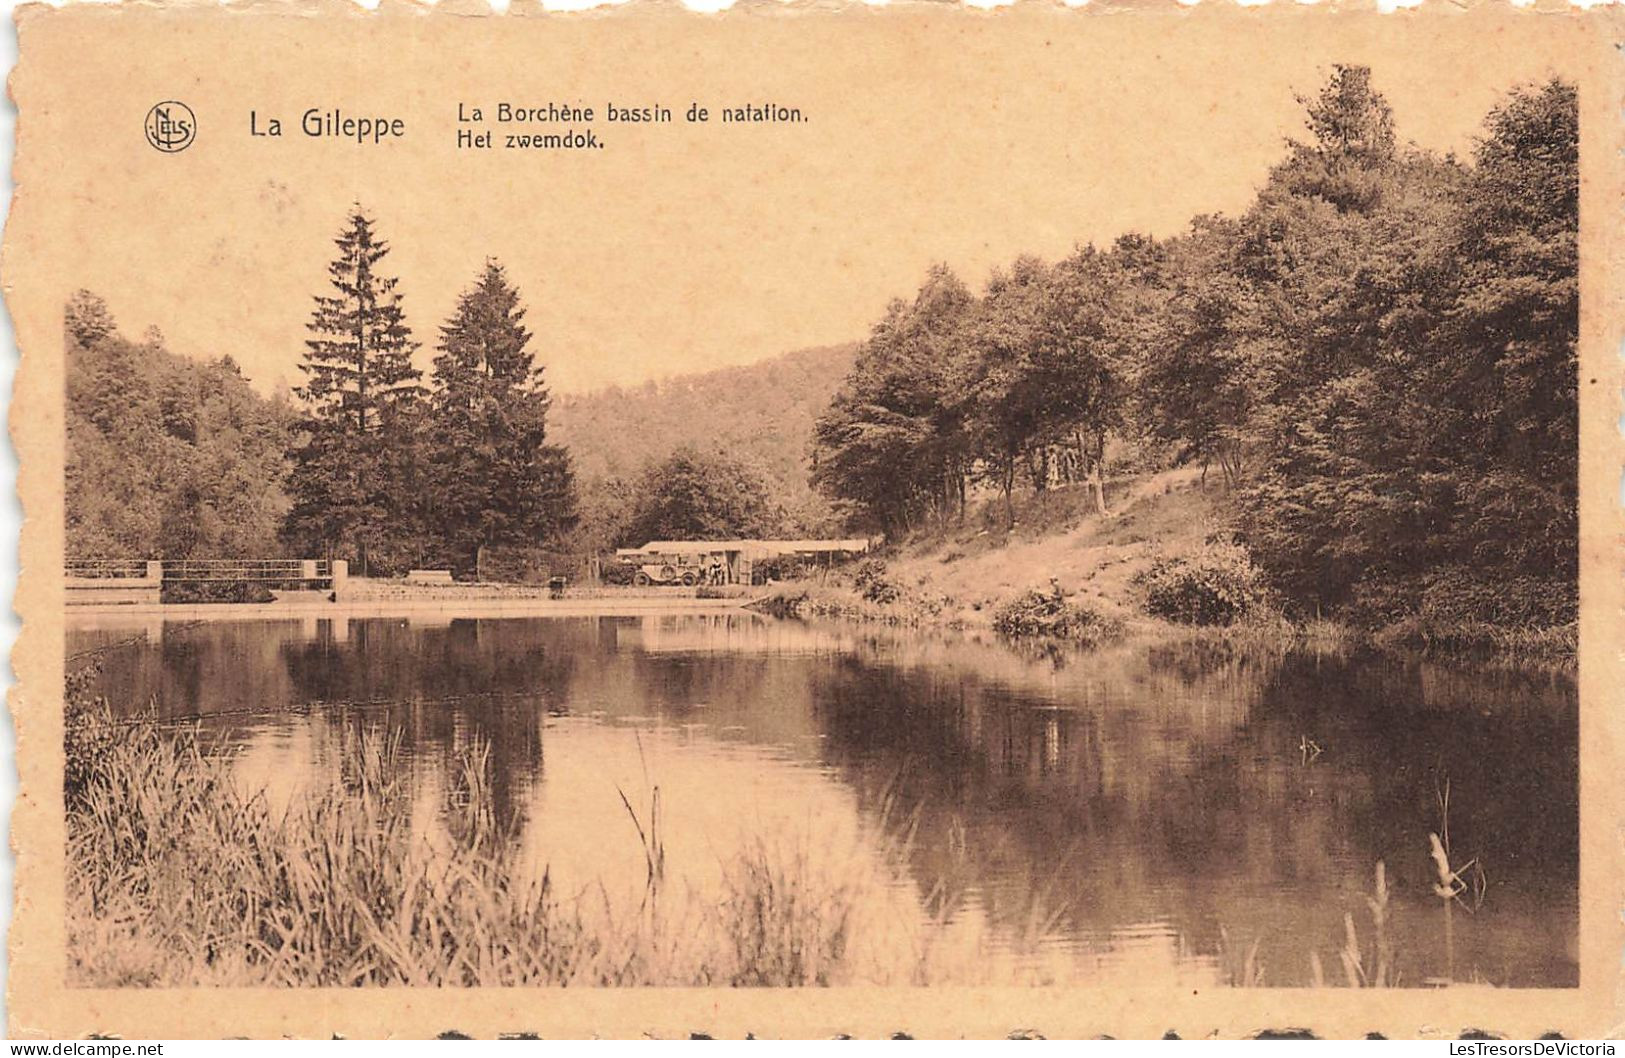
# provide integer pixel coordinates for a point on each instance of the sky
(683, 248)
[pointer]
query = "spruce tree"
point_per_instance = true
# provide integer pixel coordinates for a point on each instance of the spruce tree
(350, 484)
(497, 480)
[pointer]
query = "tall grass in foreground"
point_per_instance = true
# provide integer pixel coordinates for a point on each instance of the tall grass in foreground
(178, 876)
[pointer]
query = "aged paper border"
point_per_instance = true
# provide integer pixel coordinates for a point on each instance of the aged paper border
(39, 1005)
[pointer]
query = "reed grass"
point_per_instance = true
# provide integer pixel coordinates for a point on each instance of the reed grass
(1373, 965)
(178, 876)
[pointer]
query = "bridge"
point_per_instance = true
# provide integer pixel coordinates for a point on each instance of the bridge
(137, 581)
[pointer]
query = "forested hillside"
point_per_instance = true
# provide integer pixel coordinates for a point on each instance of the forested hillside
(1378, 358)
(167, 457)
(170, 457)
(761, 415)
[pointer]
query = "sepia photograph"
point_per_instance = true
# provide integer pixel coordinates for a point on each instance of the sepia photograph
(587, 530)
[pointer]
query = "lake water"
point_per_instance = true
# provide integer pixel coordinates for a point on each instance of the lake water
(1154, 810)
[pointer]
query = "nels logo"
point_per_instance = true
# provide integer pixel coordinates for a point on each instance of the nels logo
(171, 126)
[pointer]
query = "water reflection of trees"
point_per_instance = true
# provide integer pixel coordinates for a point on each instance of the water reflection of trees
(444, 687)
(164, 665)
(1166, 787)
(1215, 787)
(1071, 772)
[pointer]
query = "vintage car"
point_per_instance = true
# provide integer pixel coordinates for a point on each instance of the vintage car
(658, 573)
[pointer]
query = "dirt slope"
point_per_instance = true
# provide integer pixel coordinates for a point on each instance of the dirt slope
(975, 567)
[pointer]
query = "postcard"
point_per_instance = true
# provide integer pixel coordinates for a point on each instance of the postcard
(818, 520)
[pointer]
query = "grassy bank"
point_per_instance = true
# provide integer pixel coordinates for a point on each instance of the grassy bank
(1557, 644)
(985, 574)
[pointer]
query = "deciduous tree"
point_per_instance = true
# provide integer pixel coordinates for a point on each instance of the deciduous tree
(695, 496)
(895, 443)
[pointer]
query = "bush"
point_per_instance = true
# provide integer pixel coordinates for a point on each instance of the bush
(1215, 586)
(781, 604)
(1458, 594)
(216, 591)
(523, 565)
(1380, 601)
(870, 579)
(1040, 613)
(1455, 595)
(614, 571)
(778, 568)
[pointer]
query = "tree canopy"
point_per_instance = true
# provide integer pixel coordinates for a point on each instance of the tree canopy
(1379, 354)
(695, 496)
(495, 479)
(355, 468)
(166, 457)
(169, 457)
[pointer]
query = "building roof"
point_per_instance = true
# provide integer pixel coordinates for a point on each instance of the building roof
(752, 547)
(682, 547)
(855, 543)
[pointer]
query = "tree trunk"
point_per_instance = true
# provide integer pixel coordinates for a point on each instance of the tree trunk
(1038, 467)
(1099, 461)
(1230, 463)
(1009, 487)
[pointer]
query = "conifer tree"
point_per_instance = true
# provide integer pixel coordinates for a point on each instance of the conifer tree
(497, 480)
(350, 481)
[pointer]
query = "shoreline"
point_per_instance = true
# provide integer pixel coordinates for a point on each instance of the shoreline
(834, 605)
(1477, 641)
(487, 606)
